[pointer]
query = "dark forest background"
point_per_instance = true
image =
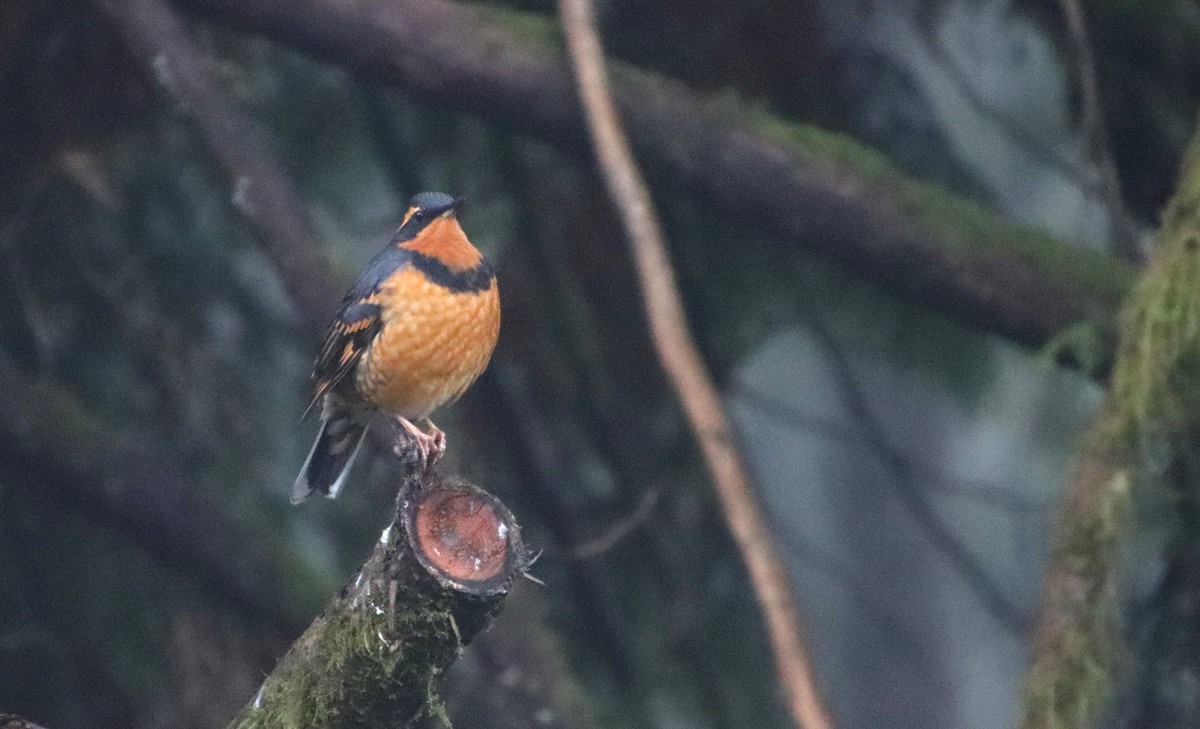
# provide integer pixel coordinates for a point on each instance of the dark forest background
(160, 307)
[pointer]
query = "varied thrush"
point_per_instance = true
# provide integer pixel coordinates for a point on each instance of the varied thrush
(415, 330)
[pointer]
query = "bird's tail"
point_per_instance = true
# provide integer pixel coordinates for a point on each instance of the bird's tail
(332, 455)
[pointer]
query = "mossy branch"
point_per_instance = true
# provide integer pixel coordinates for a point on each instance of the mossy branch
(823, 191)
(1077, 643)
(375, 657)
(1155, 383)
(1152, 412)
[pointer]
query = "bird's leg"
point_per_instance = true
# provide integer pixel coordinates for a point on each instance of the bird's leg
(430, 446)
(437, 442)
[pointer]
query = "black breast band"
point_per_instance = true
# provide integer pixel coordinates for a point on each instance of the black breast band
(470, 281)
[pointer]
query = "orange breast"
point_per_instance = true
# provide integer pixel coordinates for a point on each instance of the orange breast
(432, 346)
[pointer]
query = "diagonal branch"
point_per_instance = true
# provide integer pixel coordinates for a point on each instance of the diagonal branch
(686, 370)
(908, 487)
(261, 188)
(824, 192)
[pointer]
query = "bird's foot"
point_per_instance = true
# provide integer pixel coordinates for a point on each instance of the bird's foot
(437, 442)
(429, 447)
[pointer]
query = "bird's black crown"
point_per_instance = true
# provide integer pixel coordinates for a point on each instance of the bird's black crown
(433, 203)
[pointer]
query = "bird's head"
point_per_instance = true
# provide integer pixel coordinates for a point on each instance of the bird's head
(428, 207)
(430, 227)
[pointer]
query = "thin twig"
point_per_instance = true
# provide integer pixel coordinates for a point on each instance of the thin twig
(686, 370)
(928, 475)
(896, 637)
(1017, 130)
(1123, 236)
(619, 529)
(17, 271)
(1095, 135)
(908, 489)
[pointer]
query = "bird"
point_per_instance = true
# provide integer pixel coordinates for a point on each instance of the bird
(414, 331)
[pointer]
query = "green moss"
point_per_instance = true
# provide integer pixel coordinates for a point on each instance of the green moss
(807, 140)
(540, 29)
(958, 224)
(1084, 344)
(1156, 383)
(435, 707)
(969, 227)
(375, 657)
(1074, 683)
(1150, 422)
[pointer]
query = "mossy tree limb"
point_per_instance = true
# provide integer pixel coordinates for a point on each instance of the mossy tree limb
(823, 191)
(376, 655)
(1155, 381)
(1142, 435)
(1077, 640)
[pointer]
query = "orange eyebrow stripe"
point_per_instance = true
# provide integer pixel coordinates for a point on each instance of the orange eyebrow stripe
(407, 215)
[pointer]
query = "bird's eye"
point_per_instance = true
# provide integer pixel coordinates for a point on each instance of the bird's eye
(418, 215)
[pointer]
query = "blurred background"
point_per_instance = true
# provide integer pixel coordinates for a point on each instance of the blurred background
(154, 368)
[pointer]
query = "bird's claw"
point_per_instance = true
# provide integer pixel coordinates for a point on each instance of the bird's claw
(437, 443)
(427, 448)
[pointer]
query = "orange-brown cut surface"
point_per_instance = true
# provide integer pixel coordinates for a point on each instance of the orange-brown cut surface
(432, 346)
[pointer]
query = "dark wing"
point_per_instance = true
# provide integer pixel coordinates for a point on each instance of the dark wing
(348, 337)
(357, 323)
